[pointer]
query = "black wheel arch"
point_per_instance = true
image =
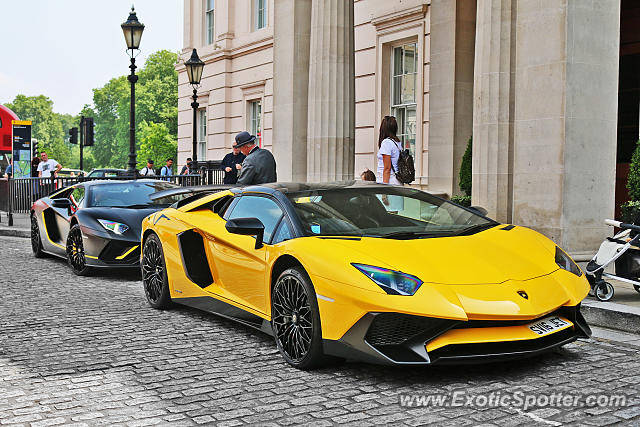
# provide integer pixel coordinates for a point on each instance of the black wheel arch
(281, 264)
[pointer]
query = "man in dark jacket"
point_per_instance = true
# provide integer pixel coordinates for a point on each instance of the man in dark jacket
(259, 167)
(231, 165)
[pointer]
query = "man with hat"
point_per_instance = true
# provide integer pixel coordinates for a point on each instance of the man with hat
(148, 170)
(231, 164)
(259, 167)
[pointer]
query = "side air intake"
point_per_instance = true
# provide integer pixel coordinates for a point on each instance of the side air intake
(194, 258)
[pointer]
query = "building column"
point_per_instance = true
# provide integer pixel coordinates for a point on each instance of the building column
(292, 33)
(545, 116)
(493, 107)
(450, 90)
(331, 113)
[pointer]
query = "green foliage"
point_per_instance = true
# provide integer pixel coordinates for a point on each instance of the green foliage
(465, 169)
(156, 103)
(630, 211)
(156, 143)
(633, 184)
(462, 200)
(47, 125)
(156, 118)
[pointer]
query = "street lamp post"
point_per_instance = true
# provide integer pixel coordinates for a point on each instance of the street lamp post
(132, 29)
(194, 72)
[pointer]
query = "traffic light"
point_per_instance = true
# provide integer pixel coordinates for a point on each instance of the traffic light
(34, 144)
(88, 135)
(73, 135)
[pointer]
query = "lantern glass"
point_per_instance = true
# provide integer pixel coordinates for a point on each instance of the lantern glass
(132, 30)
(194, 68)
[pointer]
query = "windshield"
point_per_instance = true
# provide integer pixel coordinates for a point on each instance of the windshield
(129, 194)
(383, 212)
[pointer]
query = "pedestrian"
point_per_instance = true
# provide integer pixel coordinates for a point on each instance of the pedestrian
(259, 166)
(48, 168)
(389, 148)
(388, 151)
(231, 164)
(186, 169)
(167, 170)
(148, 170)
(368, 175)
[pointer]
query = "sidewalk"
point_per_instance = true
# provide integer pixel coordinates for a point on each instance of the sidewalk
(21, 225)
(621, 313)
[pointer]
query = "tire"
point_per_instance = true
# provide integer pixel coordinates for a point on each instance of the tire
(36, 242)
(154, 274)
(75, 252)
(637, 288)
(296, 320)
(604, 291)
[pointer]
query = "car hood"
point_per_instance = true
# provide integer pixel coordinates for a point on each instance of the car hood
(490, 256)
(131, 217)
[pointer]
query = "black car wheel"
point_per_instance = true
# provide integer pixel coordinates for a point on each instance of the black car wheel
(75, 252)
(36, 243)
(154, 274)
(296, 320)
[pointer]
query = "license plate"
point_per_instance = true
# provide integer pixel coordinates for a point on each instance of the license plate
(548, 325)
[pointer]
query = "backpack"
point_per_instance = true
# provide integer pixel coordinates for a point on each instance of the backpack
(406, 172)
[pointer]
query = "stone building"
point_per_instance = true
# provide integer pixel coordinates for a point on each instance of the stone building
(547, 88)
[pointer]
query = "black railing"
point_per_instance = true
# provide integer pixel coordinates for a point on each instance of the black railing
(17, 195)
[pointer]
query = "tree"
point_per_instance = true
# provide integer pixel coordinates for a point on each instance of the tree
(46, 126)
(465, 169)
(156, 143)
(633, 184)
(156, 103)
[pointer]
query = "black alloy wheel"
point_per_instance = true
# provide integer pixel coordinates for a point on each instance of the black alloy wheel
(154, 274)
(36, 243)
(296, 320)
(75, 252)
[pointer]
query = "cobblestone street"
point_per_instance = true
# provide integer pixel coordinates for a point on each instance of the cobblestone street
(90, 351)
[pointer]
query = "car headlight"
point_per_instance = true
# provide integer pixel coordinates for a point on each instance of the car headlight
(566, 263)
(392, 282)
(116, 227)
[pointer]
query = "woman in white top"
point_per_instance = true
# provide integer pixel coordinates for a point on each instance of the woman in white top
(389, 147)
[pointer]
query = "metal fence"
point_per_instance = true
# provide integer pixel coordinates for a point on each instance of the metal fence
(17, 195)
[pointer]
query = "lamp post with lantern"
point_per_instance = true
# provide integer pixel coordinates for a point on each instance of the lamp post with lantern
(132, 29)
(194, 73)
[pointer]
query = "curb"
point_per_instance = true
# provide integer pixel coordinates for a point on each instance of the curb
(15, 232)
(612, 316)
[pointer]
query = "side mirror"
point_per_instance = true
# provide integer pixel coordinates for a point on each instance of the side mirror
(479, 209)
(61, 203)
(247, 227)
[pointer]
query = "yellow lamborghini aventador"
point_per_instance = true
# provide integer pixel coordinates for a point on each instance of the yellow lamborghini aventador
(364, 271)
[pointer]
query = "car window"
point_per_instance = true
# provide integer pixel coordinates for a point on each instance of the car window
(263, 208)
(77, 195)
(282, 233)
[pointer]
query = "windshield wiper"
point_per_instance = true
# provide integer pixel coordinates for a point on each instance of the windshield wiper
(402, 234)
(138, 206)
(474, 229)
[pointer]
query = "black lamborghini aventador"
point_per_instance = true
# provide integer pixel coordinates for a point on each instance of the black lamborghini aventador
(96, 223)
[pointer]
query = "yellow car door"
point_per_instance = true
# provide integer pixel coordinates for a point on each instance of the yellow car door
(241, 267)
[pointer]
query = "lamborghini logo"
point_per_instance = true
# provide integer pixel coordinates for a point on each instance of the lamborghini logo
(523, 294)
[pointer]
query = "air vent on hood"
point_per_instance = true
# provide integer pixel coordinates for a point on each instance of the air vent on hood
(508, 227)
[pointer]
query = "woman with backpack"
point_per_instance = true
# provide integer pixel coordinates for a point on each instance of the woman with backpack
(389, 147)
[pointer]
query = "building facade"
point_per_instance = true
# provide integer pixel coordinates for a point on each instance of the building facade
(532, 81)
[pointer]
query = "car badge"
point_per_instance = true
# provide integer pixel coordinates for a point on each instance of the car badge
(523, 294)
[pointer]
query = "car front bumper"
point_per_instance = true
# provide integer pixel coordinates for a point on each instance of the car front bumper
(402, 339)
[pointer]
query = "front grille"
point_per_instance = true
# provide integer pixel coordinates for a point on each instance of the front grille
(396, 328)
(116, 248)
